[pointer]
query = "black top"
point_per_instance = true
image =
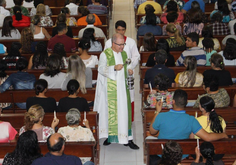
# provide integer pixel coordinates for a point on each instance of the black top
(69, 32)
(223, 76)
(151, 73)
(48, 104)
(66, 103)
(151, 62)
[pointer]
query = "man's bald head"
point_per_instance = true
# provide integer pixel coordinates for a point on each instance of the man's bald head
(55, 143)
(90, 19)
(118, 42)
(116, 36)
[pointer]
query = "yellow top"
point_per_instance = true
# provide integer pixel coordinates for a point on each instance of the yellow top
(156, 6)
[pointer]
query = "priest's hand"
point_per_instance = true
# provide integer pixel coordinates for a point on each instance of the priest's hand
(118, 67)
(130, 71)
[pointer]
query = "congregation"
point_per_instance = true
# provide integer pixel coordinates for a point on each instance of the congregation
(57, 61)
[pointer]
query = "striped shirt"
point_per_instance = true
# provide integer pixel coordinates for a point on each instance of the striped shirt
(197, 52)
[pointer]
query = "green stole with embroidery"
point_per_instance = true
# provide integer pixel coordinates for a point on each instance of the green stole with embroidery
(112, 99)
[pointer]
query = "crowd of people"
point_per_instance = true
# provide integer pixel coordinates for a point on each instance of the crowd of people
(184, 23)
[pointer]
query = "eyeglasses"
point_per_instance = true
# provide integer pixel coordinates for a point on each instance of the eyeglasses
(120, 44)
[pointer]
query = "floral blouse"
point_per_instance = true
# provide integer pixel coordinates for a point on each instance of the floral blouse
(45, 21)
(153, 98)
(71, 21)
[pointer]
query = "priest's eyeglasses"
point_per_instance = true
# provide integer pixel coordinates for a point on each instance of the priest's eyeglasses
(120, 44)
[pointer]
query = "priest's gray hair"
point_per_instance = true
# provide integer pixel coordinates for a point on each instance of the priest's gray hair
(73, 116)
(115, 36)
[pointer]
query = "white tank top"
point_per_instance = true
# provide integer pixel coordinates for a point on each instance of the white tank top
(39, 35)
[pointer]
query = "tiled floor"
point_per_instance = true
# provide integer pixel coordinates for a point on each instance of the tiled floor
(117, 154)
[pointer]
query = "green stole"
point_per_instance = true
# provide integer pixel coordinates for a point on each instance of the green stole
(112, 99)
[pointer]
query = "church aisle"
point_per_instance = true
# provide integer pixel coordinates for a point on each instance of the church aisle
(117, 154)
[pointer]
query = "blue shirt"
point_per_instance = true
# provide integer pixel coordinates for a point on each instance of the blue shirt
(187, 6)
(175, 125)
(155, 30)
(50, 159)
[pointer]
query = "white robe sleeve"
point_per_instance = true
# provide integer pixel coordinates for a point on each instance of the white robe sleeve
(135, 56)
(103, 69)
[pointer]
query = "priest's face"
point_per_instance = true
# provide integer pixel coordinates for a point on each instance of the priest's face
(118, 45)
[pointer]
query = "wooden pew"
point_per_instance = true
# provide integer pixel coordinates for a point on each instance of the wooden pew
(59, 3)
(80, 149)
(8, 43)
(27, 56)
(38, 72)
(224, 146)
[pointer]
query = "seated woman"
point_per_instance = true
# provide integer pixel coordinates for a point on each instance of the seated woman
(61, 18)
(207, 32)
(176, 42)
(8, 133)
(219, 27)
(222, 7)
(172, 7)
(47, 103)
(194, 20)
(73, 101)
(207, 151)
(77, 70)
(210, 120)
(39, 32)
(52, 73)
(217, 65)
(162, 84)
(208, 46)
(13, 56)
(36, 2)
(45, 20)
(150, 26)
(34, 121)
(171, 18)
(75, 132)
(229, 52)
(211, 86)
(70, 21)
(190, 77)
(83, 12)
(26, 151)
(149, 9)
(59, 49)
(89, 60)
(28, 3)
(149, 43)
(89, 34)
(19, 3)
(40, 57)
(19, 20)
(27, 41)
(8, 31)
(161, 44)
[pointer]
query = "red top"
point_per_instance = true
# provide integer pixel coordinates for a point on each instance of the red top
(25, 22)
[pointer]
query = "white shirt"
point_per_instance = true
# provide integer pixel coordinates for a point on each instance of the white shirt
(231, 26)
(73, 8)
(227, 62)
(4, 11)
(15, 34)
(98, 32)
(54, 82)
(2, 17)
(28, 4)
(10, 4)
(40, 35)
(91, 62)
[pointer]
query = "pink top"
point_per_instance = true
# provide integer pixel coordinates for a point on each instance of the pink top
(180, 18)
(7, 132)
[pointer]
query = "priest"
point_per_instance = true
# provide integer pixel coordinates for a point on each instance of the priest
(112, 98)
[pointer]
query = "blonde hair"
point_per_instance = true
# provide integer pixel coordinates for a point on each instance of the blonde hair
(33, 116)
(77, 69)
(171, 28)
(41, 10)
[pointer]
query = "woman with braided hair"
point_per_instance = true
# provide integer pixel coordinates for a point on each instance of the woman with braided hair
(34, 121)
(176, 42)
(47, 103)
(207, 151)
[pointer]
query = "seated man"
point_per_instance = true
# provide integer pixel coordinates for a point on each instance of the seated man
(56, 146)
(61, 37)
(218, 27)
(192, 43)
(90, 19)
(160, 58)
(157, 7)
(4, 11)
(187, 5)
(73, 7)
(183, 125)
(97, 7)
(19, 80)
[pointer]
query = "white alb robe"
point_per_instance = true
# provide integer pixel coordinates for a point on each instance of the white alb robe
(132, 53)
(101, 103)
